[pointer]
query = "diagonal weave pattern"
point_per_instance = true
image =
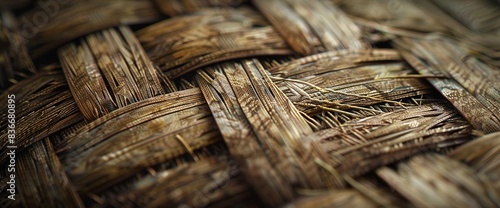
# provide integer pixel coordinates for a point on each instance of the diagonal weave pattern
(234, 103)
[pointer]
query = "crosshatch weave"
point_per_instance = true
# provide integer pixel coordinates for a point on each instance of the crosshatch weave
(251, 103)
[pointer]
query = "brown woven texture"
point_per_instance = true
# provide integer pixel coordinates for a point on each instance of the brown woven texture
(263, 103)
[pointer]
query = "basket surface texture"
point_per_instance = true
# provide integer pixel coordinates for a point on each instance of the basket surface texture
(250, 103)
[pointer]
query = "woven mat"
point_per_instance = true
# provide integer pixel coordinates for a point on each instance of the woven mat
(233, 103)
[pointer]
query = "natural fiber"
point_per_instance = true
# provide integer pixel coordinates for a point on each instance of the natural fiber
(230, 103)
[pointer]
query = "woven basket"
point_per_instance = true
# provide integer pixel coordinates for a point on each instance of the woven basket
(232, 103)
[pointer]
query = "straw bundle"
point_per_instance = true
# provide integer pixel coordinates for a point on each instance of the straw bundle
(286, 103)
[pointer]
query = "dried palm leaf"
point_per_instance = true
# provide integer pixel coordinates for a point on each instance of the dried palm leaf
(195, 185)
(59, 27)
(325, 82)
(41, 158)
(181, 45)
(137, 136)
(361, 145)
(482, 154)
(109, 58)
(433, 180)
(426, 20)
(479, 17)
(487, 20)
(325, 29)
(403, 14)
(242, 97)
(44, 98)
(472, 86)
